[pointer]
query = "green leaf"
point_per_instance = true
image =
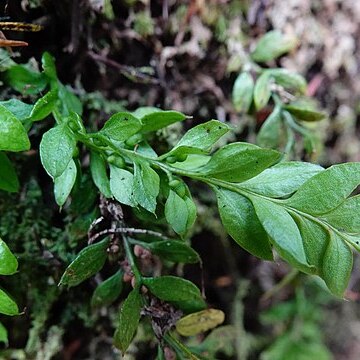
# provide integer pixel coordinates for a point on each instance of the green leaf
(337, 265)
(344, 217)
(121, 185)
(173, 250)
(99, 174)
(108, 291)
(156, 120)
(282, 179)
(183, 293)
(283, 231)
(304, 114)
(8, 178)
(288, 79)
(48, 64)
(142, 111)
(128, 320)
(19, 109)
(13, 136)
(7, 305)
(270, 134)
(272, 45)
(177, 213)
(64, 183)
(121, 126)
(146, 186)
(25, 81)
(242, 93)
(262, 91)
(327, 189)
(238, 162)
(200, 138)
(88, 262)
(315, 240)
(240, 221)
(3, 334)
(69, 102)
(56, 150)
(44, 106)
(8, 262)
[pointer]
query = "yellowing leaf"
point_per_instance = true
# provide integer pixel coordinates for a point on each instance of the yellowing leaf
(199, 322)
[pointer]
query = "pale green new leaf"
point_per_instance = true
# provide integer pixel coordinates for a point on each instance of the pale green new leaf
(288, 79)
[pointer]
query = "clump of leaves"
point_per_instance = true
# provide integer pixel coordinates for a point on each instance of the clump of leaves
(269, 206)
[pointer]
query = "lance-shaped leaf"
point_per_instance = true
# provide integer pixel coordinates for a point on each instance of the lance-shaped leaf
(13, 136)
(172, 250)
(146, 186)
(344, 217)
(128, 320)
(8, 178)
(288, 79)
(200, 138)
(88, 262)
(242, 93)
(108, 291)
(239, 162)
(282, 179)
(177, 212)
(272, 45)
(44, 106)
(7, 304)
(326, 190)
(99, 173)
(159, 119)
(64, 183)
(121, 126)
(182, 293)
(56, 150)
(270, 132)
(121, 185)
(283, 232)
(304, 113)
(240, 221)
(69, 103)
(262, 91)
(8, 262)
(337, 265)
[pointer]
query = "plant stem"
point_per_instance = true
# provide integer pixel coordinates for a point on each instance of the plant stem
(132, 262)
